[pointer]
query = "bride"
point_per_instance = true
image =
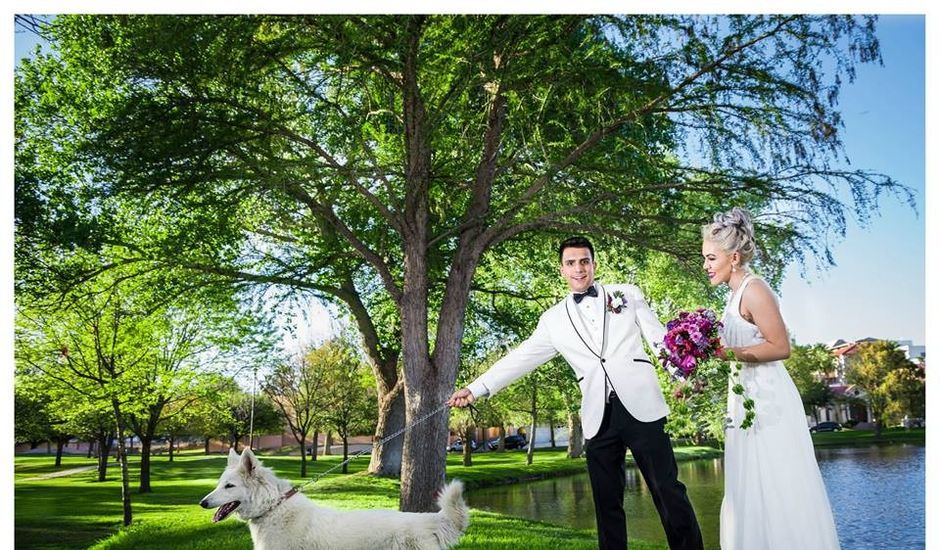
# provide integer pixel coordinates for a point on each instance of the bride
(774, 498)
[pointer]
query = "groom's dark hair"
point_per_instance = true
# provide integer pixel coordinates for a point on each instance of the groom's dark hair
(575, 242)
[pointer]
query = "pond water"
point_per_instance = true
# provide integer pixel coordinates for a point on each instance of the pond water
(876, 492)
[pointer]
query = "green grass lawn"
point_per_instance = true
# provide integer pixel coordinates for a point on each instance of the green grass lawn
(76, 511)
(865, 437)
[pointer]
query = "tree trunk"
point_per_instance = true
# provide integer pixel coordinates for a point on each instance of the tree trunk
(467, 445)
(145, 428)
(328, 443)
(314, 447)
(429, 380)
(386, 458)
(104, 452)
(551, 430)
(59, 445)
(534, 411)
(425, 455)
(171, 440)
(146, 443)
(207, 446)
(122, 456)
(91, 449)
(345, 454)
(303, 455)
(575, 436)
(501, 445)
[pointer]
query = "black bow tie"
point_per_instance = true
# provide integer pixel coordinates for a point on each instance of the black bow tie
(578, 296)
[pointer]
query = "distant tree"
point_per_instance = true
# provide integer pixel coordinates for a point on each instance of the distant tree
(297, 390)
(249, 415)
(31, 418)
(96, 424)
(485, 412)
(881, 369)
(211, 413)
(186, 342)
(907, 389)
(807, 366)
(349, 388)
(43, 412)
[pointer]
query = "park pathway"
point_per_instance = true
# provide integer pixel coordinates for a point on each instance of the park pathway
(68, 472)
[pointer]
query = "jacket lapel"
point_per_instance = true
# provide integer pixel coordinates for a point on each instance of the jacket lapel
(579, 328)
(606, 324)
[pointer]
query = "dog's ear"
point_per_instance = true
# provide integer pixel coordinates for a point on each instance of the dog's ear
(249, 461)
(232, 457)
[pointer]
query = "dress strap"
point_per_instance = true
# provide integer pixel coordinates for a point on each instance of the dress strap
(736, 299)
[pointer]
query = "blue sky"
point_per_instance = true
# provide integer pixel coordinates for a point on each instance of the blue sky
(877, 287)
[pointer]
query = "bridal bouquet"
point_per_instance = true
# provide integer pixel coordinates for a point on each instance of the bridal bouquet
(691, 339)
(692, 347)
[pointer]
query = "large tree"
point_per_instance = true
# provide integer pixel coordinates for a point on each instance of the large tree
(376, 161)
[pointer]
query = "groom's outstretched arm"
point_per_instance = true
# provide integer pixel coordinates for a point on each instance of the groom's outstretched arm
(528, 355)
(653, 330)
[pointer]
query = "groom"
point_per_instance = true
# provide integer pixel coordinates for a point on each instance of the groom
(597, 330)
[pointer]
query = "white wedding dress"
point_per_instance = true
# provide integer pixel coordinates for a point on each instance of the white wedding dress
(774, 498)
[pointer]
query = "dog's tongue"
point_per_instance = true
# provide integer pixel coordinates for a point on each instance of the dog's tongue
(225, 510)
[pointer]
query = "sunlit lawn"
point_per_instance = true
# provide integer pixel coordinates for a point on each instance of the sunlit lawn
(78, 512)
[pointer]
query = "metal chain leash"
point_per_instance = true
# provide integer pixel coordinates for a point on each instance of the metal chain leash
(381, 442)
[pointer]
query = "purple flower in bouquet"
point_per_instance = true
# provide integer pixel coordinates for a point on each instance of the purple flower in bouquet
(691, 339)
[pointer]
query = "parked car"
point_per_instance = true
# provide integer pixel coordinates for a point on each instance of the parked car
(457, 446)
(512, 442)
(826, 427)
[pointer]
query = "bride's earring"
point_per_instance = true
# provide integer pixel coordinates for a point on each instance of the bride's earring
(733, 269)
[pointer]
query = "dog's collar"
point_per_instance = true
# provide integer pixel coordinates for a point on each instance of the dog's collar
(293, 491)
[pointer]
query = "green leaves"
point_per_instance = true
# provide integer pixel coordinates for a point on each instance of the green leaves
(894, 385)
(366, 158)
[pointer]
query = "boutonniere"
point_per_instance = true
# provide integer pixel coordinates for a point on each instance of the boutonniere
(616, 302)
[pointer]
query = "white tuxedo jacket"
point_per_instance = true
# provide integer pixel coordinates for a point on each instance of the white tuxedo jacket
(618, 363)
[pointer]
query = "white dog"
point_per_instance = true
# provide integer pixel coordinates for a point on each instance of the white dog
(281, 518)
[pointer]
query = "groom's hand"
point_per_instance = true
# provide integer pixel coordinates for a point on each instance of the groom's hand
(461, 398)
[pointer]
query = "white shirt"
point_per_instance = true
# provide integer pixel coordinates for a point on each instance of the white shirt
(591, 314)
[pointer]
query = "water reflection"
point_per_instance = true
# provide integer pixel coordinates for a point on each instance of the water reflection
(877, 494)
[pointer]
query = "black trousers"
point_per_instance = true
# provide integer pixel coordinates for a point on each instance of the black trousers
(653, 454)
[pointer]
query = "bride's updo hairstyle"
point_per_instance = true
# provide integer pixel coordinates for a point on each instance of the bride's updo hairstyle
(733, 232)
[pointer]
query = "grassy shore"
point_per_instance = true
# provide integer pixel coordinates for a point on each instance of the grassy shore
(76, 511)
(865, 437)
